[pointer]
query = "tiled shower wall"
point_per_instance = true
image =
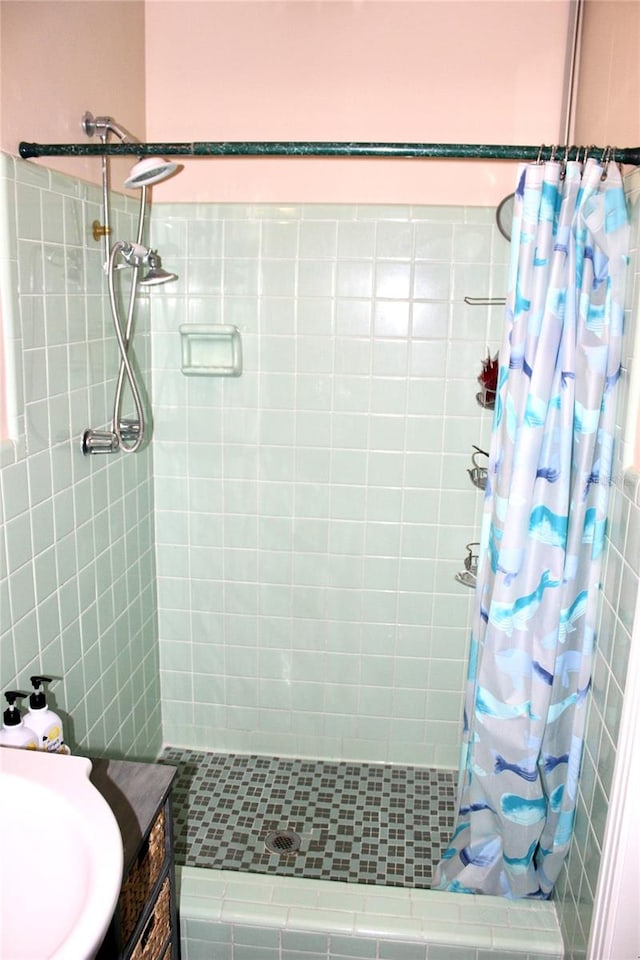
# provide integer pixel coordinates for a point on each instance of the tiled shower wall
(621, 582)
(77, 573)
(312, 513)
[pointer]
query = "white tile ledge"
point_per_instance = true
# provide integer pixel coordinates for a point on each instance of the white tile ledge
(390, 913)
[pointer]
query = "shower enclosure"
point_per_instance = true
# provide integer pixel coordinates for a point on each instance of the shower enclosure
(309, 529)
(256, 651)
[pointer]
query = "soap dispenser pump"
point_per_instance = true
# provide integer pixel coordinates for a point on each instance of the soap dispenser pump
(15, 732)
(46, 725)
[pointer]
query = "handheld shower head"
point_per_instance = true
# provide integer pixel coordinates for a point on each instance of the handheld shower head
(150, 170)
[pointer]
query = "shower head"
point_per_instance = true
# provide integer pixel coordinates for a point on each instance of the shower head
(150, 170)
(146, 171)
(156, 274)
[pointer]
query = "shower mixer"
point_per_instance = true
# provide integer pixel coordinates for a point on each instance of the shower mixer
(138, 256)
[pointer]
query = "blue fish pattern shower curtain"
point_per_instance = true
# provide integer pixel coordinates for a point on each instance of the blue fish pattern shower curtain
(543, 529)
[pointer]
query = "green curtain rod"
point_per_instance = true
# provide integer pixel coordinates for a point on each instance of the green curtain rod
(267, 148)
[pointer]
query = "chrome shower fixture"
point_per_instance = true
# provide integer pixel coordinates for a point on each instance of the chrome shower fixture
(145, 172)
(103, 126)
(127, 434)
(134, 253)
(156, 274)
(138, 256)
(150, 170)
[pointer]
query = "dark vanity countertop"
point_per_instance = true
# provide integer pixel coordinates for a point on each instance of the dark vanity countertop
(135, 792)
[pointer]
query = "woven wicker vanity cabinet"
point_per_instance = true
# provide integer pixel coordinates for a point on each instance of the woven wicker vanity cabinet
(144, 926)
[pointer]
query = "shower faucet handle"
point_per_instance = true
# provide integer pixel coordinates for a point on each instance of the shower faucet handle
(99, 441)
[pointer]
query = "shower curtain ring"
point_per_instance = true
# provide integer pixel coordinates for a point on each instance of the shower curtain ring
(612, 158)
(553, 154)
(565, 159)
(605, 160)
(539, 157)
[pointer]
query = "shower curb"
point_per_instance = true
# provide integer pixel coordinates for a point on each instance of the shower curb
(215, 904)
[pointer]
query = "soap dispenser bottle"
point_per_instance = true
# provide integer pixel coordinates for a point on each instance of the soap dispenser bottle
(15, 732)
(46, 725)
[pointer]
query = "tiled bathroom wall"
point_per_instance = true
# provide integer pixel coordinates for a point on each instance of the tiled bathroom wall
(77, 567)
(313, 512)
(621, 582)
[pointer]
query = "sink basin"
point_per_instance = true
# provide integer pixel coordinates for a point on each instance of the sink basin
(61, 865)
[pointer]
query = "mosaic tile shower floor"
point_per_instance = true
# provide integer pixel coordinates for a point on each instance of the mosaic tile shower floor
(358, 822)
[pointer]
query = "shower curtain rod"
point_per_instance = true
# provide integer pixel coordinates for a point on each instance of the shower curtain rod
(268, 148)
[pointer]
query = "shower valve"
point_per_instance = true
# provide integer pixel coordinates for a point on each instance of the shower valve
(98, 441)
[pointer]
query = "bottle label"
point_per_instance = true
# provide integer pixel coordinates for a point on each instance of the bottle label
(53, 740)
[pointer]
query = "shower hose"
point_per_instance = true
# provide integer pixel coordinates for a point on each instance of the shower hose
(124, 430)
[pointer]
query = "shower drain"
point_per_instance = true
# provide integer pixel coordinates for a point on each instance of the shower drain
(282, 841)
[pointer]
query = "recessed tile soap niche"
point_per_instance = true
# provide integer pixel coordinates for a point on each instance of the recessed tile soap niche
(211, 350)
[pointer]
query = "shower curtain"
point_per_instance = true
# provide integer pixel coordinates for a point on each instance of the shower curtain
(542, 536)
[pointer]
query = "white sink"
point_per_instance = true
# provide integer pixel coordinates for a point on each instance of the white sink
(61, 861)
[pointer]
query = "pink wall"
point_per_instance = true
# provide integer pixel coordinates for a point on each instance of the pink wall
(486, 71)
(59, 58)
(608, 102)
(381, 70)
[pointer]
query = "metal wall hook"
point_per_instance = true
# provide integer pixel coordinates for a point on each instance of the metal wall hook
(485, 301)
(478, 472)
(468, 576)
